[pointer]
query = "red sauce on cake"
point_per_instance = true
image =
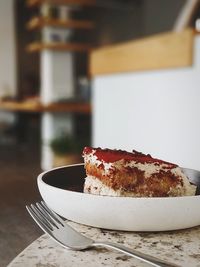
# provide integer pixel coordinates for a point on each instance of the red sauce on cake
(110, 156)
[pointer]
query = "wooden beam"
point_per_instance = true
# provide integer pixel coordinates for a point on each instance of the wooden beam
(166, 50)
(39, 22)
(31, 107)
(76, 47)
(33, 3)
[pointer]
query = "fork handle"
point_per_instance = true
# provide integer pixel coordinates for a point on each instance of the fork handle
(136, 254)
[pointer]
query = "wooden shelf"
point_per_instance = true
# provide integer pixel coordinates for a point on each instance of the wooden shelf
(33, 3)
(161, 51)
(39, 22)
(76, 47)
(27, 106)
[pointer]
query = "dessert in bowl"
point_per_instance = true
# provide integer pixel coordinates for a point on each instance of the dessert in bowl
(63, 190)
(134, 174)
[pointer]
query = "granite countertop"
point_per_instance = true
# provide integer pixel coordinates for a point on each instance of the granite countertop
(181, 247)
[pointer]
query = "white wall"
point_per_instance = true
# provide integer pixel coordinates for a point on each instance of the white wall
(156, 112)
(57, 76)
(7, 48)
(8, 80)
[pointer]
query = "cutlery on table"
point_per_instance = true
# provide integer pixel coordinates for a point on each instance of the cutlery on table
(65, 235)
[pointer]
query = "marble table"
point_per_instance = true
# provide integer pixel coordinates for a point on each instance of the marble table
(181, 247)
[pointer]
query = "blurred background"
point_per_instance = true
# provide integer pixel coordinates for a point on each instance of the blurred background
(110, 73)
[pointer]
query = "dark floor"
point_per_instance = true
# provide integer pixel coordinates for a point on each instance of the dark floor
(19, 167)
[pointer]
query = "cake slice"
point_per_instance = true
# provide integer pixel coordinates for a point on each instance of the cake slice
(121, 173)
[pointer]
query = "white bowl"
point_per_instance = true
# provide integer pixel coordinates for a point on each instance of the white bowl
(61, 188)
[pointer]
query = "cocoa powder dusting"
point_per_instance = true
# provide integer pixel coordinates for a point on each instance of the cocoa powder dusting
(109, 156)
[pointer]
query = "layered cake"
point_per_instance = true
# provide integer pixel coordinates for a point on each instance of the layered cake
(134, 174)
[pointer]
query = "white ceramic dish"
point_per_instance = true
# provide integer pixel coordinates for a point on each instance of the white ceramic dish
(61, 189)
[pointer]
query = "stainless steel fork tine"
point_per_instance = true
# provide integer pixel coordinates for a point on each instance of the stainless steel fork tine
(38, 220)
(52, 214)
(42, 217)
(70, 230)
(47, 216)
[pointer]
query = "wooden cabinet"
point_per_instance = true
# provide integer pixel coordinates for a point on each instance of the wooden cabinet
(57, 101)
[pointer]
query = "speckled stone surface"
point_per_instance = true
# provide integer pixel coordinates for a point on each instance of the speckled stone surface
(180, 247)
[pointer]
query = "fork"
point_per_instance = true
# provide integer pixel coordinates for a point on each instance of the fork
(68, 237)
